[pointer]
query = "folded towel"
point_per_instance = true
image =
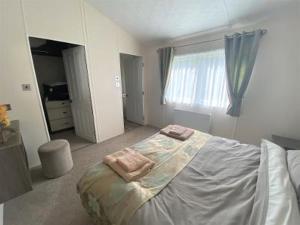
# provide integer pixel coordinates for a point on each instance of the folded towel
(177, 129)
(132, 160)
(132, 176)
(186, 134)
(112, 161)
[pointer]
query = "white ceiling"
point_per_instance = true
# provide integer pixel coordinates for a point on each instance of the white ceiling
(156, 20)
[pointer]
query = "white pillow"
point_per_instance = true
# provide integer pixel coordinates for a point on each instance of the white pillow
(293, 160)
(282, 200)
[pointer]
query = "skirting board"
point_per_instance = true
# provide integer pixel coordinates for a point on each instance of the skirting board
(1, 214)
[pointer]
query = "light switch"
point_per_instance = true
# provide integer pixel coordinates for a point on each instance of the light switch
(117, 84)
(26, 87)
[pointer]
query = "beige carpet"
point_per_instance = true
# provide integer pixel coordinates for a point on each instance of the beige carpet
(75, 141)
(129, 126)
(55, 202)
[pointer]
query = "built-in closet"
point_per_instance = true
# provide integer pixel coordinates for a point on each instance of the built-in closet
(62, 79)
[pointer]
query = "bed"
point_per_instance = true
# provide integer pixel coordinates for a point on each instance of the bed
(203, 180)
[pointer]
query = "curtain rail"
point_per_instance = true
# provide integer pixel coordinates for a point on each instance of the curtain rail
(197, 43)
(264, 31)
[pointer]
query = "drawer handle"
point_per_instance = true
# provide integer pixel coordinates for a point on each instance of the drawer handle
(64, 112)
(62, 103)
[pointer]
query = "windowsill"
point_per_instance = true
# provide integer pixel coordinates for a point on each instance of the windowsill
(196, 109)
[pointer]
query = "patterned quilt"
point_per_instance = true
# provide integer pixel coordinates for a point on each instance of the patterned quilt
(109, 200)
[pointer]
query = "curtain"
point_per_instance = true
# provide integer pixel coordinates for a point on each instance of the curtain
(165, 60)
(198, 80)
(240, 53)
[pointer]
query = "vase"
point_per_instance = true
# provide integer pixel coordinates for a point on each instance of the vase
(3, 136)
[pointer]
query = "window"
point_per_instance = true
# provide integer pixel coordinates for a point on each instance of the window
(198, 80)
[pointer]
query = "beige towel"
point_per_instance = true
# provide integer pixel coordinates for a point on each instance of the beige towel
(188, 132)
(112, 161)
(177, 129)
(132, 160)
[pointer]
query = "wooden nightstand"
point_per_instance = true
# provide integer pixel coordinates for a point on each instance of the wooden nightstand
(286, 143)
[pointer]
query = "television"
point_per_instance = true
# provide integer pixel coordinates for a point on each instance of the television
(56, 91)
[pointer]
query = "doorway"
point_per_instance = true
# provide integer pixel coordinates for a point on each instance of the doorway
(132, 90)
(62, 78)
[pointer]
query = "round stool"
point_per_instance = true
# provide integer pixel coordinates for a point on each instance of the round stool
(56, 158)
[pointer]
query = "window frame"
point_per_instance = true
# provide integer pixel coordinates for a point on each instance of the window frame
(196, 104)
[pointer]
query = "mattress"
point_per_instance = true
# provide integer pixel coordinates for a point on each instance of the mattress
(225, 183)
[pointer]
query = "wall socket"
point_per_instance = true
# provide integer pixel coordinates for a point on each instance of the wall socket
(26, 87)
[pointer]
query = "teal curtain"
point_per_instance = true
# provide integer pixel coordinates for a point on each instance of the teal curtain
(166, 56)
(240, 54)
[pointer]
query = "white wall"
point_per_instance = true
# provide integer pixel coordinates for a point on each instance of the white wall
(48, 70)
(271, 104)
(16, 69)
(72, 21)
(55, 20)
(105, 42)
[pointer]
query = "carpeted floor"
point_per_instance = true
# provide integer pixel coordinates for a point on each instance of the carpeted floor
(128, 126)
(55, 201)
(75, 141)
